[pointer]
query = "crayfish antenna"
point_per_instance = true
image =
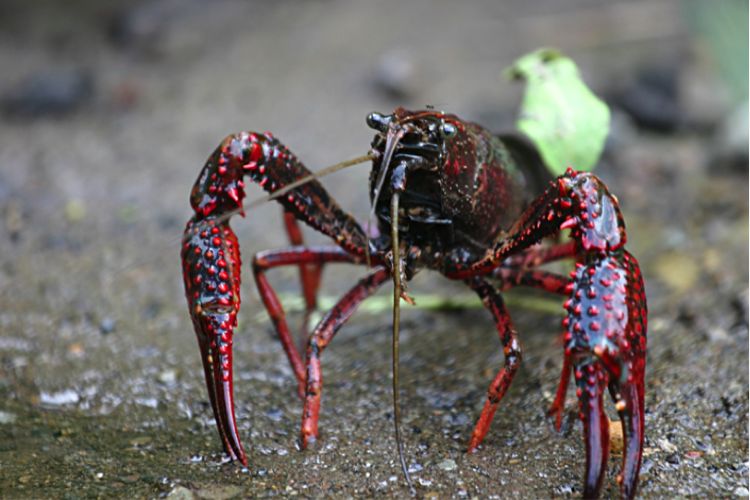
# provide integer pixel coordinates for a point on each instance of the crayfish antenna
(396, 270)
(392, 140)
(315, 175)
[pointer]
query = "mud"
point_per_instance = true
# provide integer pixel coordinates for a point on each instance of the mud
(101, 391)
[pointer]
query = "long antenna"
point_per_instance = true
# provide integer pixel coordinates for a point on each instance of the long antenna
(396, 270)
(391, 141)
(293, 185)
(320, 173)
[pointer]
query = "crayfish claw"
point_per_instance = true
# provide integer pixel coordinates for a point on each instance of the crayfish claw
(211, 260)
(595, 423)
(216, 354)
(630, 407)
(606, 338)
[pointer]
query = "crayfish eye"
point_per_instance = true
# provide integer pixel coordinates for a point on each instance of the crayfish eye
(378, 121)
(448, 130)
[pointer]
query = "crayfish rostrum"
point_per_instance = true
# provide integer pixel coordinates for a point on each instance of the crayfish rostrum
(448, 196)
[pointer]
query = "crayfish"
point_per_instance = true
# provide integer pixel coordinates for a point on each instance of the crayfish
(449, 196)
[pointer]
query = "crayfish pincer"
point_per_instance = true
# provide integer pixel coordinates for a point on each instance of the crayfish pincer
(448, 196)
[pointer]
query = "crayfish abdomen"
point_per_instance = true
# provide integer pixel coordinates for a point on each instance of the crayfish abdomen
(451, 197)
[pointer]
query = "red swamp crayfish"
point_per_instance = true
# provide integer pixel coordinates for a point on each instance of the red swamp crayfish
(448, 196)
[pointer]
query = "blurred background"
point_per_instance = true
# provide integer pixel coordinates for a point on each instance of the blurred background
(107, 113)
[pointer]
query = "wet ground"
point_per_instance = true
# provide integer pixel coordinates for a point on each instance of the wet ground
(107, 116)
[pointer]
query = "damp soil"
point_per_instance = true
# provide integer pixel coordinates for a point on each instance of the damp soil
(107, 116)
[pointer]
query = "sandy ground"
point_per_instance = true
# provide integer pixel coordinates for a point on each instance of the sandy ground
(102, 391)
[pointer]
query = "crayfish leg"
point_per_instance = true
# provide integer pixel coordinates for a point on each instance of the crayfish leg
(299, 256)
(319, 340)
(558, 405)
(511, 349)
(309, 273)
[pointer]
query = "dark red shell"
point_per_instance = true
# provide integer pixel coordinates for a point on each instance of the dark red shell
(483, 190)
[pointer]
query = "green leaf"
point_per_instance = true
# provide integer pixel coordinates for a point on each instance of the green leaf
(564, 119)
(722, 27)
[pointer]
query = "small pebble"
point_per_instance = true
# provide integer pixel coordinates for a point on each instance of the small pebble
(564, 489)
(180, 493)
(616, 439)
(75, 211)
(140, 441)
(107, 326)
(147, 402)
(168, 377)
(448, 464)
(678, 270)
(665, 445)
(7, 417)
(14, 223)
(66, 397)
(76, 350)
(275, 414)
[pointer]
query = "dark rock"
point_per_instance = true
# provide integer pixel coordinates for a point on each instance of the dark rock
(52, 92)
(107, 326)
(398, 75)
(652, 99)
(141, 24)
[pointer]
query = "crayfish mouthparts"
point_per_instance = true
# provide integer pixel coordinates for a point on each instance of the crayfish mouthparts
(459, 202)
